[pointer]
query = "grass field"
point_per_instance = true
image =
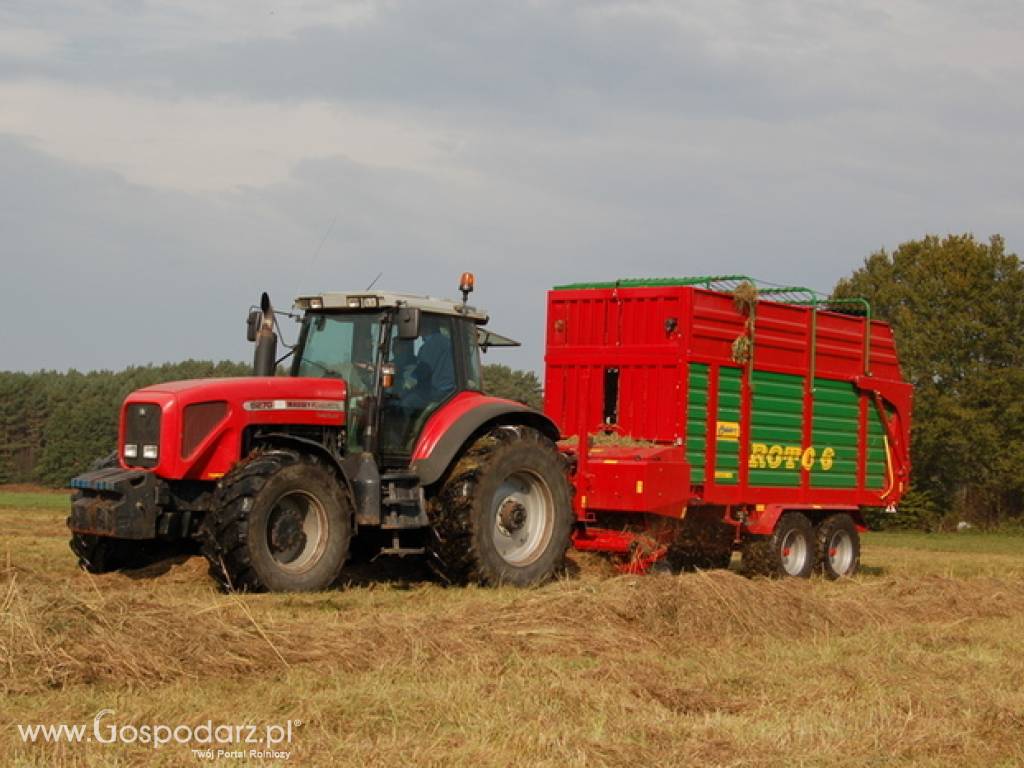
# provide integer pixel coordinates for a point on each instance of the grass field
(919, 661)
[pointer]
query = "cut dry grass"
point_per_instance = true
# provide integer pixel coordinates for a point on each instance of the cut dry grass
(907, 665)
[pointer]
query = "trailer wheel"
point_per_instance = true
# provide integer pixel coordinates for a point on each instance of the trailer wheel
(503, 514)
(838, 547)
(282, 522)
(789, 551)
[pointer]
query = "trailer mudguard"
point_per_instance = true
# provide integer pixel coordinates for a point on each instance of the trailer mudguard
(765, 517)
(466, 415)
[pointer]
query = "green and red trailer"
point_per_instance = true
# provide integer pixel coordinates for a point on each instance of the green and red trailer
(738, 406)
(683, 420)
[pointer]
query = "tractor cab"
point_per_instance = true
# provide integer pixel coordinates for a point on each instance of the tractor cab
(401, 356)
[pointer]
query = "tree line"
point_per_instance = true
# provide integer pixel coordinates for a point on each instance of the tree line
(53, 425)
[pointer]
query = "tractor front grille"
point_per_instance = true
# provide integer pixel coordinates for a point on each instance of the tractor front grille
(141, 429)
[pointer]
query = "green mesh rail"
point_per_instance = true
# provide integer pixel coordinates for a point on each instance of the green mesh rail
(783, 294)
(711, 282)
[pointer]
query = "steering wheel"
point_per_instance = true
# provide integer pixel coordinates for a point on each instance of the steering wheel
(358, 375)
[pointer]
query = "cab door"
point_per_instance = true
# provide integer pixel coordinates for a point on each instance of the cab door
(429, 370)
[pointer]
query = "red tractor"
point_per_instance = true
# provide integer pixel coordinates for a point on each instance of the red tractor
(703, 416)
(382, 426)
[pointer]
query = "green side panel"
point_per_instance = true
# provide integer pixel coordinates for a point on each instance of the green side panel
(835, 427)
(776, 420)
(776, 428)
(727, 452)
(697, 421)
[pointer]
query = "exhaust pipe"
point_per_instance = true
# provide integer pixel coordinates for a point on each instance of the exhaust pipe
(264, 362)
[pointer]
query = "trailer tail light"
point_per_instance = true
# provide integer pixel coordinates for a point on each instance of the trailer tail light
(200, 420)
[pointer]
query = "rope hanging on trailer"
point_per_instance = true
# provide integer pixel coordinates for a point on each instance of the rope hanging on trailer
(744, 297)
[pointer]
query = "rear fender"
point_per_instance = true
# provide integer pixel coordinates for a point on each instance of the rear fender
(461, 420)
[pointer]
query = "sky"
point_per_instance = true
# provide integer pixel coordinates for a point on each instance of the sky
(161, 164)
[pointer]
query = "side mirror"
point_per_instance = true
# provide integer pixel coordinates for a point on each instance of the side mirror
(253, 323)
(408, 323)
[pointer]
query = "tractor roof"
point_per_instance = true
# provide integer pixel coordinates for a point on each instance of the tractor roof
(379, 299)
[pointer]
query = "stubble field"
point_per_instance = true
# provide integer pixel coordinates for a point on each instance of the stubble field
(919, 661)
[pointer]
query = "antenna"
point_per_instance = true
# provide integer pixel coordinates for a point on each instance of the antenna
(316, 253)
(374, 282)
(323, 240)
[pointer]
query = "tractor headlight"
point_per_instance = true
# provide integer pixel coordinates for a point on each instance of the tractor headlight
(149, 452)
(352, 302)
(131, 450)
(371, 301)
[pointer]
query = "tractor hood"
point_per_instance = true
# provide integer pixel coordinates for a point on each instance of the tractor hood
(198, 429)
(249, 388)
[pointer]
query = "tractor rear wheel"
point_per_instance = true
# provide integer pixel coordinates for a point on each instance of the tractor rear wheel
(789, 551)
(282, 523)
(503, 514)
(838, 547)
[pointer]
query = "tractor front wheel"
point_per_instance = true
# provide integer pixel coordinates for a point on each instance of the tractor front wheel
(282, 523)
(503, 515)
(97, 554)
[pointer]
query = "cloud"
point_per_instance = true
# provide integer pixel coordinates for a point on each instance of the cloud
(102, 272)
(28, 43)
(546, 59)
(201, 145)
(152, 154)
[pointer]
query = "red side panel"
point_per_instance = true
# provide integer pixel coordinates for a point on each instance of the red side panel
(654, 480)
(634, 331)
(819, 416)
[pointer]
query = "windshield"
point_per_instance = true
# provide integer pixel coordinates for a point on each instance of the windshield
(426, 371)
(340, 347)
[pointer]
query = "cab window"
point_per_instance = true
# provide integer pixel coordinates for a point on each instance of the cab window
(426, 375)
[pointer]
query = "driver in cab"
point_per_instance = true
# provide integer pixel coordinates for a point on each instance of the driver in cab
(432, 370)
